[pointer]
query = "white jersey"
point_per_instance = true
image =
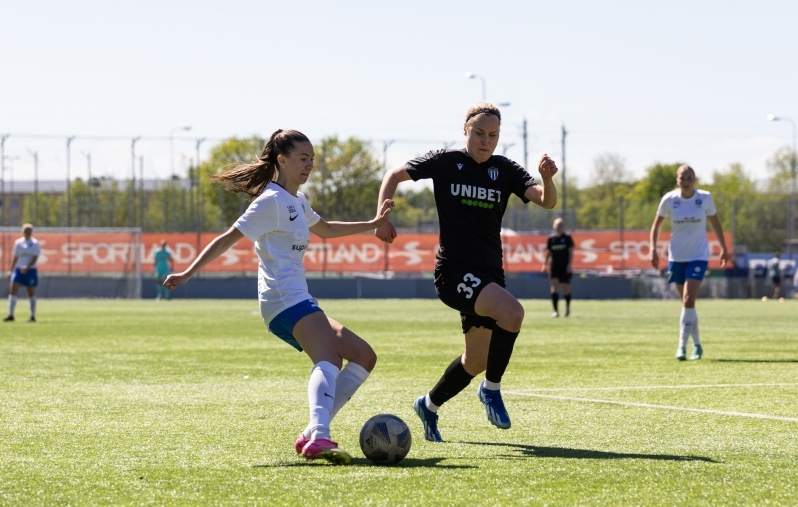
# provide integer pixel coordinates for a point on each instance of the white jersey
(688, 224)
(277, 222)
(25, 251)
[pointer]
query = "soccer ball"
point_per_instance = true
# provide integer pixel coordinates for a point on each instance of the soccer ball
(385, 439)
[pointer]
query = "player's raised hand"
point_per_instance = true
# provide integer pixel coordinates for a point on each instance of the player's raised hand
(175, 279)
(386, 232)
(547, 167)
(384, 211)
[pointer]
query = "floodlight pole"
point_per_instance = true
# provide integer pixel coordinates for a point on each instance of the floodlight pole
(471, 75)
(791, 217)
(564, 190)
(69, 180)
(35, 155)
(3, 177)
(385, 146)
(199, 185)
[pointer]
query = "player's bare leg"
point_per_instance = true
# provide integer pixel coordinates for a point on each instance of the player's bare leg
(554, 286)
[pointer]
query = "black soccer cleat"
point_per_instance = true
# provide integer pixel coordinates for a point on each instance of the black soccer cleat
(32, 319)
(10, 318)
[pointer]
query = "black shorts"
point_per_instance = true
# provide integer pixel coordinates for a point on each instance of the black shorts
(459, 286)
(560, 274)
(776, 280)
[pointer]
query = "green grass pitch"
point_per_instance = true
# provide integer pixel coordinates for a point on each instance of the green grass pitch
(195, 403)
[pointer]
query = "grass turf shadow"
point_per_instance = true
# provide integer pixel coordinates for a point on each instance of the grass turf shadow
(361, 462)
(752, 360)
(534, 451)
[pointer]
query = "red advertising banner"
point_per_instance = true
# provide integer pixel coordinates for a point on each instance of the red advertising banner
(114, 252)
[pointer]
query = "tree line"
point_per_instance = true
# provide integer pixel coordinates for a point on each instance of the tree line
(346, 180)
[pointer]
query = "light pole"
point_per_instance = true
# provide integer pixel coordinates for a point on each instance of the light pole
(35, 155)
(791, 218)
(88, 187)
(385, 146)
(172, 144)
(505, 147)
(3, 178)
(69, 180)
(196, 181)
(471, 75)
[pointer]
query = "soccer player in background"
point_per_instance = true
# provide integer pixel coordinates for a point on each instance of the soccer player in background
(472, 187)
(688, 249)
(279, 221)
(23, 272)
(774, 273)
(559, 257)
(163, 265)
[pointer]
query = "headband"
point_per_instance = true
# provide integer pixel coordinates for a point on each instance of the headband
(485, 111)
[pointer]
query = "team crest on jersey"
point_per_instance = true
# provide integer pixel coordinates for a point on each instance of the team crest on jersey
(291, 208)
(676, 203)
(459, 167)
(698, 203)
(493, 173)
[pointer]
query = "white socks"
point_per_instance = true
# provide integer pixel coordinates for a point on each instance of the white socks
(491, 386)
(349, 380)
(321, 396)
(345, 383)
(430, 406)
(33, 306)
(12, 304)
(688, 321)
(696, 337)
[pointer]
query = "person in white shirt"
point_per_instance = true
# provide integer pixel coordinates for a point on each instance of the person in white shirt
(278, 221)
(688, 249)
(23, 272)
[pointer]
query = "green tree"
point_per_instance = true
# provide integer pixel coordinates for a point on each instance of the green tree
(780, 168)
(218, 208)
(345, 182)
(659, 180)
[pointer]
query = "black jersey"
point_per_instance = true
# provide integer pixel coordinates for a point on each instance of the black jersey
(471, 200)
(558, 246)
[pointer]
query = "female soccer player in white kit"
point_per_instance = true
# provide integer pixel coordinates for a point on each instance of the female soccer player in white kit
(278, 221)
(688, 249)
(24, 272)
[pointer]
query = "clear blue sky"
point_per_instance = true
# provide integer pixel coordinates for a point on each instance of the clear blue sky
(651, 81)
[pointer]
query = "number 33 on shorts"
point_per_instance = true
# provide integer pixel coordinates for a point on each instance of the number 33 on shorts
(473, 281)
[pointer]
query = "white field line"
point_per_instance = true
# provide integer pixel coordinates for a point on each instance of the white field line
(694, 386)
(662, 407)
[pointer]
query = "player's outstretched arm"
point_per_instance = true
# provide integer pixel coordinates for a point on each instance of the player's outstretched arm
(390, 181)
(653, 238)
(544, 195)
(717, 228)
(215, 248)
(324, 229)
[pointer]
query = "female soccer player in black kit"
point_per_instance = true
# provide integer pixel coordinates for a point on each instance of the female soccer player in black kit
(559, 254)
(472, 187)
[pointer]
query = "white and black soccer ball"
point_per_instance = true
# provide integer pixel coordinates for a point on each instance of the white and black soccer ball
(385, 439)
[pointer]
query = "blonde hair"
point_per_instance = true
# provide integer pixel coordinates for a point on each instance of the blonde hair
(482, 108)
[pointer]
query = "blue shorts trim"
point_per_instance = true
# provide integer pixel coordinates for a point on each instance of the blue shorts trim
(679, 272)
(283, 324)
(29, 279)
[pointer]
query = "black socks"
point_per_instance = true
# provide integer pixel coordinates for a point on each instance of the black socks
(501, 348)
(454, 380)
(555, 298)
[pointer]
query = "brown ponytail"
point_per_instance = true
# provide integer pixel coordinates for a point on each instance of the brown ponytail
(252, 178)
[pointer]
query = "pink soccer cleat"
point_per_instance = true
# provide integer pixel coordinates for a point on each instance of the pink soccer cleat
(323, 448)
(300, 442)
